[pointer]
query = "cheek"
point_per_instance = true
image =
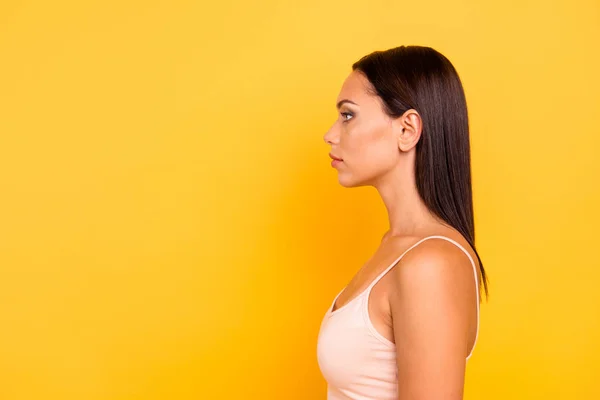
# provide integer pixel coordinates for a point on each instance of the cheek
(371, 149)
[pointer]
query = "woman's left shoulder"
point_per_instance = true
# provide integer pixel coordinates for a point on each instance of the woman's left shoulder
(437, 260)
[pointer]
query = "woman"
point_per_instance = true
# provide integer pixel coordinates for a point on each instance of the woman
(405, 325)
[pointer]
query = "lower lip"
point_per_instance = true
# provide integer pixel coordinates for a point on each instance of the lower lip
(335, 163)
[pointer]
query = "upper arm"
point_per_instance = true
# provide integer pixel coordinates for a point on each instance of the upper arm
(430, 307)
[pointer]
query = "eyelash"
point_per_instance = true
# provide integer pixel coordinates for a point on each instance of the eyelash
(344, 114)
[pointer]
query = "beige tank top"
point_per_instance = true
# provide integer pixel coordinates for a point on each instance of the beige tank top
(357, 362)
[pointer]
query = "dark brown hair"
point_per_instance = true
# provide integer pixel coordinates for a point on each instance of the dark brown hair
(420, 78)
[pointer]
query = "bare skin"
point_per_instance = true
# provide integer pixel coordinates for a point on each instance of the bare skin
(426, 304)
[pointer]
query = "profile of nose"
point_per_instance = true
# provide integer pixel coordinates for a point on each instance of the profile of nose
(329, 137)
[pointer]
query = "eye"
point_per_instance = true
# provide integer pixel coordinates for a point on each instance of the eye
(345, 116)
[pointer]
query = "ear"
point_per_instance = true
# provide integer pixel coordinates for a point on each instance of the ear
(408, 128)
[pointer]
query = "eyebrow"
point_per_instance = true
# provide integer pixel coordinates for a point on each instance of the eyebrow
(339, 104)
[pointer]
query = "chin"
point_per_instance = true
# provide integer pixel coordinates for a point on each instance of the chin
(348, 182)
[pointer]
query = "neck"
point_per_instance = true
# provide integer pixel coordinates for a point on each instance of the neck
(407, 213)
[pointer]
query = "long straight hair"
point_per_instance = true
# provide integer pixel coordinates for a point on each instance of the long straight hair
(420, 78)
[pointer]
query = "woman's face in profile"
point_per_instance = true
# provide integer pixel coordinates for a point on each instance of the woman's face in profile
(362, 135)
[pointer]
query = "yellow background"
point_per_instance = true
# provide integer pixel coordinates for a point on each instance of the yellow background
(170, 227)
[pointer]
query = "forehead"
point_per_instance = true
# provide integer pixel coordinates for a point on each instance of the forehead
(356, 88)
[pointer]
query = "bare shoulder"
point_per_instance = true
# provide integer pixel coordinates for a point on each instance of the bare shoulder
(435, 268)
(437, 256)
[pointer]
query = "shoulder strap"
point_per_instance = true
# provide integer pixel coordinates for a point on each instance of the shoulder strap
(393, 264)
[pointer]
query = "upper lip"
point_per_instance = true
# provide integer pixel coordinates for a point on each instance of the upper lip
(334, 157)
